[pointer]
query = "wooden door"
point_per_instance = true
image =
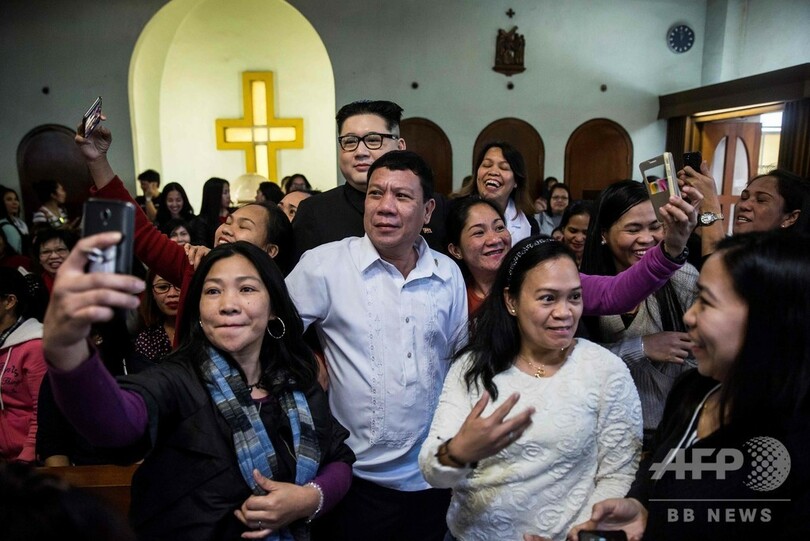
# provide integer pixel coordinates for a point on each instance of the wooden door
(521, 135)
(732, 150)
(49, 152)
(428, 140)
(598, 153)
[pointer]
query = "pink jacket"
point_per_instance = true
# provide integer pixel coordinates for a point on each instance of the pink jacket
(22, 367)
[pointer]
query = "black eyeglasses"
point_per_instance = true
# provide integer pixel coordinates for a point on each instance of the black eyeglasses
(372, 140)
(162, 288)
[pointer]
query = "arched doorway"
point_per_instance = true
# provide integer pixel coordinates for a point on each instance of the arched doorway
(186, 72)
(428, 140)
(49, 152)
(522, 136)
(597, 154)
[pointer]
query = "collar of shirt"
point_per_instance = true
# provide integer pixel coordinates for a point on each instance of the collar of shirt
(427, 264)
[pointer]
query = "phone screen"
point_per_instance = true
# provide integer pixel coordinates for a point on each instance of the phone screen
(91, 118)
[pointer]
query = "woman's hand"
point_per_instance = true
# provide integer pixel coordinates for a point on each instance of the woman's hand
(701, 180)
(626, 514)
(481, 437)
(94, 149)
(80, 299)
(283, 503)
(680, 219)
(195, 254)
(667, 346)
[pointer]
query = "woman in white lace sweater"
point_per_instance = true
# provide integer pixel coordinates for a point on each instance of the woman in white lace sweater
(577, 435)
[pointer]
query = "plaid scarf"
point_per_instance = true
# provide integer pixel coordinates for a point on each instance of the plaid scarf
(253, 447)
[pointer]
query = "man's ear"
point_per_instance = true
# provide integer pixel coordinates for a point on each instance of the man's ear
(10, 301)
(272, 250)
(401, 144)
(429, 207)
(454, 251)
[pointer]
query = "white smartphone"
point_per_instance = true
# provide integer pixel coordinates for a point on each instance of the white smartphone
(658, 175)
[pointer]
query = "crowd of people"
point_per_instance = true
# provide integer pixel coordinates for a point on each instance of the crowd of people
(380, 361)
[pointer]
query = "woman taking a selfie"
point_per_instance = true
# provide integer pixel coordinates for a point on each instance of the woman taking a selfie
(238, 435)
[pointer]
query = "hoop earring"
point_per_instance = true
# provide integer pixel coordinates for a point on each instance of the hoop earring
(283, 329)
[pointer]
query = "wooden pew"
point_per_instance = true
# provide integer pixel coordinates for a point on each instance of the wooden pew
(110, 483)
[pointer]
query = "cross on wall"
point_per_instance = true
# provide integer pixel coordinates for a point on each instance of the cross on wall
(259, 134)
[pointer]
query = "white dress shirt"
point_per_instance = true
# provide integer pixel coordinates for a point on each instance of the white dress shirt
(388, 342)
(516, 222)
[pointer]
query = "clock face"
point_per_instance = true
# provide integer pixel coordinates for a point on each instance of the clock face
(680, 38)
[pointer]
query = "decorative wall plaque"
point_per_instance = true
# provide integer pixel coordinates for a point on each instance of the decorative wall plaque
(509, 48)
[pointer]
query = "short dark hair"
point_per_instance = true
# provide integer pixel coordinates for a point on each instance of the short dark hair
(65, 235)
(406, 160)
(575, 209)
(290, 179)
(271, 191)
(388, 110)
(45, 188)
(13, 283)
(150, 175)
(288, 356)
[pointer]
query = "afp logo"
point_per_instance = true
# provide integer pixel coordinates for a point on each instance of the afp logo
(768, 463)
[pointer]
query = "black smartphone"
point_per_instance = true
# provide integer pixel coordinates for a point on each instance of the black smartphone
(102, 215)
(91, 118)
(602, 535)
(693, 160)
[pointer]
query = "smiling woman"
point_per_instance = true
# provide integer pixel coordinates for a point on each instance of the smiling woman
(234, 418)
(586, 434)
(650, 338)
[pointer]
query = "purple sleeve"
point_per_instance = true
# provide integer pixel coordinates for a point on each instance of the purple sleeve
(102, 412)
(610, 295)
(334, 479)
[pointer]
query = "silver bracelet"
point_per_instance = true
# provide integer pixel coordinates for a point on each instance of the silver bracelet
(642, 347)
(320, 501)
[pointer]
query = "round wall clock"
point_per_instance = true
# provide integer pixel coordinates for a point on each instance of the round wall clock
(680, 38)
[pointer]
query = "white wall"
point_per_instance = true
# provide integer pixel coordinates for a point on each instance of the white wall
(187, 72)
(83, 49)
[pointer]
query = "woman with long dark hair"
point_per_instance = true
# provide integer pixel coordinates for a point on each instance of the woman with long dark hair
(173, 204)
(748, 401)
(13, 225)
(239, 435)
(214, 211)
(650, 338)
(577, 435)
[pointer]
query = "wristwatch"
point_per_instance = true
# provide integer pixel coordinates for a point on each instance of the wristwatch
(708, 218)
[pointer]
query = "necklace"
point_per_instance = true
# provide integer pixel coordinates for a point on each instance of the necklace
(254, 386)
(539, 371)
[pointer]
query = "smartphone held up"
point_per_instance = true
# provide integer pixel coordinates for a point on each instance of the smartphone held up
(100, 216)
(91, 118)
(658, 175)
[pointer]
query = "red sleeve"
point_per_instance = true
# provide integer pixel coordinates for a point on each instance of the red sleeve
(153, 248)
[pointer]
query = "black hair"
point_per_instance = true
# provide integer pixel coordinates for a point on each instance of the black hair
(405, 160)
(68, 237)
(597, 258)
(12, 282)
(795, 190)
(279, 232)
(45, 189)
(212, 200)
(150, 175)
(494, 335)
(388, 110)
(186, 212)
(288, 181)
(768, 386)
(3, 211)
(9, 249)
(289, 356)
(575, 209)
(457, 215)
(168, 227)
(271, 191)
(517, 164)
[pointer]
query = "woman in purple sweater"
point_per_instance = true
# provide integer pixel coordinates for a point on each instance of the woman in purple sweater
(236, 432)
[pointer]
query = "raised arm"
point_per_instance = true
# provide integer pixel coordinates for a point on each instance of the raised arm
(703, 182)
(609, 295)
(153, 248)
(87, 394)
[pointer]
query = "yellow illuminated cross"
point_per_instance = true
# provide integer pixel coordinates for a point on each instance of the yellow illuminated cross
(260, 134)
